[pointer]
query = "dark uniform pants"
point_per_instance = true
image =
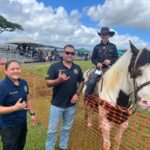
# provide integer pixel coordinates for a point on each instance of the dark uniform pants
(14, 138)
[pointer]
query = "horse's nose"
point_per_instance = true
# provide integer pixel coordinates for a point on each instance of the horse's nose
(144, 102)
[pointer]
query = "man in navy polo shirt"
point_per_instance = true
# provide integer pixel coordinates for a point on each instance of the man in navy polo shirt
(64, 77)
(14, 103)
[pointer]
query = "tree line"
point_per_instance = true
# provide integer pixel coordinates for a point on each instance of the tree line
(6, 25)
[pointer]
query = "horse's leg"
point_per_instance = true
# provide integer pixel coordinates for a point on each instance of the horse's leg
(89, 121)
(88, 115)
(102, 113)
(119, 133)
(106, 127)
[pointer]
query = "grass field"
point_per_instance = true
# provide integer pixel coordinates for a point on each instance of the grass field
(41, 69)
(136, 136)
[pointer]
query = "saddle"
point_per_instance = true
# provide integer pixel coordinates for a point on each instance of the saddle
(89, 76)
(89, 100)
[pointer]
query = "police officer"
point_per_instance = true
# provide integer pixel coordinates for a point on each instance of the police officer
(104, 55)
(64, 76)
(14, 103)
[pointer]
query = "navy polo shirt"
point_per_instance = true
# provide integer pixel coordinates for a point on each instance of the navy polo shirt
(63, 92)
(9, 95)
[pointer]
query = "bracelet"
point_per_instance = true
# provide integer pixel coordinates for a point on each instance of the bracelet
(32, 114)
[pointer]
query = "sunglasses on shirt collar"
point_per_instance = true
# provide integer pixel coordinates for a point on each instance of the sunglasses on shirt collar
(69, 53)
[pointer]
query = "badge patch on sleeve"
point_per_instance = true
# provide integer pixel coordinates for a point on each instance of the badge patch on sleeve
(75, 71)
(25, 88)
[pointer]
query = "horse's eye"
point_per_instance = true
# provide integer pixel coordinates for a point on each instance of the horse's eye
(138, 73)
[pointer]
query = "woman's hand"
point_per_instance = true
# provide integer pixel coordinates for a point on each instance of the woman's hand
(20, 105)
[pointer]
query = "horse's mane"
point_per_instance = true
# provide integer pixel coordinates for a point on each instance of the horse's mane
(116, 77)
(118, 71)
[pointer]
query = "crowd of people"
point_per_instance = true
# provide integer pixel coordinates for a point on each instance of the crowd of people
(67, 81)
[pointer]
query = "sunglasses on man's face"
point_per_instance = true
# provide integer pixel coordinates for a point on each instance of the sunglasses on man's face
(70, 53)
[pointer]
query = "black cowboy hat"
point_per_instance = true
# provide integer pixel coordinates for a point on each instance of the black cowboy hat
(106, 30)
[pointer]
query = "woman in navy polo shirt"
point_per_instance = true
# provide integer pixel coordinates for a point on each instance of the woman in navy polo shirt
(14, 103)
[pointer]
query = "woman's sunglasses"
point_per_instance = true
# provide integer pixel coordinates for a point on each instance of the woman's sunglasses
(70, 53)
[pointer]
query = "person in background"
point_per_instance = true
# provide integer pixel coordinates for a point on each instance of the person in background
(104, 55)
(64, 76)
(14, 103)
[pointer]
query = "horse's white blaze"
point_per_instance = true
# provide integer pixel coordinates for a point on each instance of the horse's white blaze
(144, 93)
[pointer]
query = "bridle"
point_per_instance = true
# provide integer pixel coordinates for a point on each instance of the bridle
(138, 88)
(133, 75)
(142, 85)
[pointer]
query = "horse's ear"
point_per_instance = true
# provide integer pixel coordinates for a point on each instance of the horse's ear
(134, 50)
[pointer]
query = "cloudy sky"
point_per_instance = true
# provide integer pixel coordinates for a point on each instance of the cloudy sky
(60, 22)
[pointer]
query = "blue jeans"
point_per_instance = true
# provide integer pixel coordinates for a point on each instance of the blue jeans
(67, 116)
(91, 83)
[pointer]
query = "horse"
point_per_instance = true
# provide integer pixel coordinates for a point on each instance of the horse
(124, 85)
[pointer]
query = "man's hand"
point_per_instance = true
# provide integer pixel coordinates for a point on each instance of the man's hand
(99, 65)
(20, 105)
(74, 98)
(54, 82)
(33, 120)
(62, 77)
(107, 62)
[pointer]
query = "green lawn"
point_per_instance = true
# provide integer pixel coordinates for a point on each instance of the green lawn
(41, 69)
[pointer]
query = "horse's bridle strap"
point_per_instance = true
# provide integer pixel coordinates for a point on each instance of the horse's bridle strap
(141, 86)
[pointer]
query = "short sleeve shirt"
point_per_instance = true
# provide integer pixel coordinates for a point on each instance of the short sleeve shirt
(9, 95)
(63, 92)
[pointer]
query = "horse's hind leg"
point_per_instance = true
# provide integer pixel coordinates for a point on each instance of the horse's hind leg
(119, 133)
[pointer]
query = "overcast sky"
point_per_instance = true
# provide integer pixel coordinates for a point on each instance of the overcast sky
(60, 22)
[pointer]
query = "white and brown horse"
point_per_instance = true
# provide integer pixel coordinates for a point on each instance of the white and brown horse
(130, 75)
